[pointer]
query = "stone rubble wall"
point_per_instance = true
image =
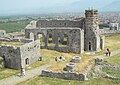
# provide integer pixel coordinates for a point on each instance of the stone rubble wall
(59, 23)
(64, 75)
(11, 56)
(15, 40)
(16, 57)
(109, 32)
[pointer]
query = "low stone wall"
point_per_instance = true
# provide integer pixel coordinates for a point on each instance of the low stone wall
(106, 32)
(64, 75)
(16, 40)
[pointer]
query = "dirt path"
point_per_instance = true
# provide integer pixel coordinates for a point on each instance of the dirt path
(13, 80)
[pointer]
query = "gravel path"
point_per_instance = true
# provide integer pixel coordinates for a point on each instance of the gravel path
(13, 80)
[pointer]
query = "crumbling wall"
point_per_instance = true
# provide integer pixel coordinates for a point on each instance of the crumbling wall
(64, 75)
(74, 38)
(15, 56)
(30, 53)
(59, 23)
(11, 56)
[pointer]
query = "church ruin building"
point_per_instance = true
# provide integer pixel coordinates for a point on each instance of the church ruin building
(74, 36)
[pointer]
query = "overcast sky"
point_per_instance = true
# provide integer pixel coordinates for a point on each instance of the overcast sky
(9, 6)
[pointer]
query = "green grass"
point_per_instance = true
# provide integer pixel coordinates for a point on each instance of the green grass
(112, 72)
(13, 26)
(5, 72)
(113, 42)
(54, 81)
(114, 59)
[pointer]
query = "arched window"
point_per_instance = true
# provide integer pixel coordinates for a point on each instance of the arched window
(27, 61)
(90, 46)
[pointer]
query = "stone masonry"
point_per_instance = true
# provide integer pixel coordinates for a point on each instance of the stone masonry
(17, 57)
(81, 35)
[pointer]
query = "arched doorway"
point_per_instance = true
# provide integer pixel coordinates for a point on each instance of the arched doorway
(90, 46)
(27, 61)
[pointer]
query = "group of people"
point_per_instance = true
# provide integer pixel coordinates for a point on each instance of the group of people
(108, 52)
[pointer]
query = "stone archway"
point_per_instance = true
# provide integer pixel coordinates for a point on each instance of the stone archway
(90, 46)
(27, 61)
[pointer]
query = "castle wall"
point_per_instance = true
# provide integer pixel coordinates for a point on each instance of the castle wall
(59, 23)
(11, 56)
(17, 57)
(74, 38)
(92, 36)
(30, 53)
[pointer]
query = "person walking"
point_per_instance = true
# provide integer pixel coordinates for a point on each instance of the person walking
(106, 52)
(109, 52)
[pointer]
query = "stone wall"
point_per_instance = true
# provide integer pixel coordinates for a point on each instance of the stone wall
(83, 34)
(108, 32)
(17, 57)
(64, 39)
(59, 23)
(92, 36)
(16, 40)
(64, 75)
(30, 53)
(11, 56)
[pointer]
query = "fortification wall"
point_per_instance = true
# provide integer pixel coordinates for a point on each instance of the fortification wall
(59, 23)
(64, 39)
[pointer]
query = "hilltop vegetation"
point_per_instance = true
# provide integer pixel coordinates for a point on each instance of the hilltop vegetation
(13, 26)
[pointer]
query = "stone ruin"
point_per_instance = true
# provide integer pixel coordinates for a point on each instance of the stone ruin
(65, 75)
(76, 59)
(17, 57)
(74, 36)
(70, 67)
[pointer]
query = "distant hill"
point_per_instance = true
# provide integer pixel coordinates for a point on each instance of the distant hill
(112, 7)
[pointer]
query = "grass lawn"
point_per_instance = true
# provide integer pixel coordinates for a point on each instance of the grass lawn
(54, 81)
(5, 72)
(114, 59)
(113, 42)
(13, 26)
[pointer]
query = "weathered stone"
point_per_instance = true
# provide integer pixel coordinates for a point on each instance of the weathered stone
(81, 35)
(76, 59)
(64, 75)
(18, 57)
(70, 67)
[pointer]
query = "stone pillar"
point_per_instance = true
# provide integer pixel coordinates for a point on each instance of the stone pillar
(46, 41)
(102, 42)
(56, 42)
